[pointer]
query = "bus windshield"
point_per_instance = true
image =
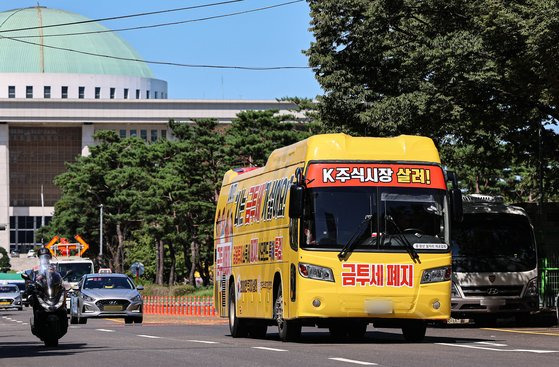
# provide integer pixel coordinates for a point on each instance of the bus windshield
(493, 243)
(378, 218)
(79, 269)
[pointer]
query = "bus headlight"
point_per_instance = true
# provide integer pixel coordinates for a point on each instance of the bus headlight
(436, 275)
(316, 272)
(532, 288)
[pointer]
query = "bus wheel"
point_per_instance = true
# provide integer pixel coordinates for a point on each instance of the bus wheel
(289, 330)
(237, 326)
(414, 330)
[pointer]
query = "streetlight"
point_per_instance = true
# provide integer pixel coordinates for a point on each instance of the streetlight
(101, 230)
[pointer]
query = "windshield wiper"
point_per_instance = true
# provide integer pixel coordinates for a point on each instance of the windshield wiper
(352, 242)
(411, 251)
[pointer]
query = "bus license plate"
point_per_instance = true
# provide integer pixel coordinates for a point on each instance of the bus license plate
(379, 307)
(113, 308)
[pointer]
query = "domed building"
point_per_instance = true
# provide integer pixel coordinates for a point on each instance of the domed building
(58, 86)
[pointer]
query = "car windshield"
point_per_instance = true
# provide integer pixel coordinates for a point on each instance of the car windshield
(493, 243)
(108, 283)
(8, 289)
(377, 218)
(79, 269)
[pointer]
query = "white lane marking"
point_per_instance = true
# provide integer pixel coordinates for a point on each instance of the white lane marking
(500, 350)
(492, 344)
(18, 321)
(9, 318)
(271, 349)
(25, 323)
(4, 317)
(354, 361)
(74, 327)
(106, 330)
(149, 336)
(202, 341)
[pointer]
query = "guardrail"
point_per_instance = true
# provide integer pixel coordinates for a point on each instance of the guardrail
(186, 306)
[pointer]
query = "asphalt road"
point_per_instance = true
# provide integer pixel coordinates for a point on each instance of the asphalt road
(110, 343)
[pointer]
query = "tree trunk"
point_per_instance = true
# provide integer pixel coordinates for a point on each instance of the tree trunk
(160, 255)
(173, 257)
(194, 261)
(120, 247)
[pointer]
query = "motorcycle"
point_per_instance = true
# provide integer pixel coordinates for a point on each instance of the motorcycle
(46, 294)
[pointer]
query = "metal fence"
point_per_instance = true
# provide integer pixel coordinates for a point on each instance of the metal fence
(549, 281)
(187, 306)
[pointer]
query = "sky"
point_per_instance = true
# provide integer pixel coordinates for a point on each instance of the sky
(273, 37)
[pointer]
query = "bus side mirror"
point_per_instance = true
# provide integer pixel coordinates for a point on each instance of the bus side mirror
(296, 201)
(456, 205)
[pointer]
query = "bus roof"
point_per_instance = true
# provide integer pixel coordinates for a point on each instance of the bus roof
(329, 147)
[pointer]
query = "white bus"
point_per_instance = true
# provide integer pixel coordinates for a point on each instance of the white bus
(494, 262)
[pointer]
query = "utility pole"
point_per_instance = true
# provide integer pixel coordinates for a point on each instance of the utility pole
(101, 230)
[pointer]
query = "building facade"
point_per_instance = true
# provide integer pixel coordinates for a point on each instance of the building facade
(52, 101)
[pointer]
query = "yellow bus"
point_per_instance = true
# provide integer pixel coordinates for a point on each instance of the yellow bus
(336, 232)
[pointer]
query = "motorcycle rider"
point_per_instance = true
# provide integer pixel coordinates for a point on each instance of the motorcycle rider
(47, 296)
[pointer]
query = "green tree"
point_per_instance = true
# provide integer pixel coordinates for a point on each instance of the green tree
(253, 135)
(4, 260)
(480, 77)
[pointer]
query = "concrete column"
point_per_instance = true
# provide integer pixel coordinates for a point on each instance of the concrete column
(88, 129)
(4, 186)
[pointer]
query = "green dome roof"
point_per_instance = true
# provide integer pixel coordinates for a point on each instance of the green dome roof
(20, 57)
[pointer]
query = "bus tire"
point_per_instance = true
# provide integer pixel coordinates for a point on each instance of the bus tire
(414, 330)
(288, 330)
(237, 326)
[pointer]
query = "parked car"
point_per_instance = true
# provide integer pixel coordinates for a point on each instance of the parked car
(14, 254)
(10, 297)
(31, 253)
(106, 296)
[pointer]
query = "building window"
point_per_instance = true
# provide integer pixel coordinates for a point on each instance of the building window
(153, 135)
(147, 94)
(64, 91)
(133, 133)
(29, 91)
(81, 92)
(125, 93)
(144, 135)
(46, 91)
(97, 92)
(22, 232)
(112, 93)
(155, 94)
(122, 133)
(163, 134)
(137, 94)
(12, 91)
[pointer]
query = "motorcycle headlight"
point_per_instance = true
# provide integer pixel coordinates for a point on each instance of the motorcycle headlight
(532, 288)
(137, 298)
(316, 272)
(88, 298)
(436, 275)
